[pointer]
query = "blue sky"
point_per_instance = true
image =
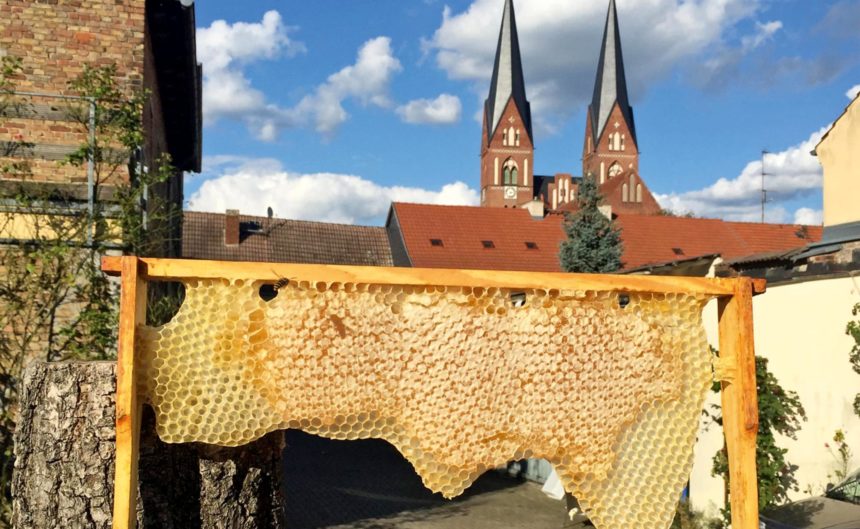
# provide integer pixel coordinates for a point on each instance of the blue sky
(328, 110)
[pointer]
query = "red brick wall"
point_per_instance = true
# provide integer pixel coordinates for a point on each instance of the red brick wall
(55, 39)
(523, 155)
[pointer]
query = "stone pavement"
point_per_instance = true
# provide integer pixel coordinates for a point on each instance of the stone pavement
(368, 485)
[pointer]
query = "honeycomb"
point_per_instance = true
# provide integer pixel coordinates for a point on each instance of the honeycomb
(459, 380)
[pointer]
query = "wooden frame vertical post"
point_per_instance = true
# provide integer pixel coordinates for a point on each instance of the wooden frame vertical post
(739, 400)
(132, 313)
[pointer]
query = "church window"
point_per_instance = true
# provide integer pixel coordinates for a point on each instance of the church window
(510, 173)
(505, 137)
(624, 194)
(615, 170)
(511, 138)
(638, 192)
(632, 187)
(623, 137)
(518, 137)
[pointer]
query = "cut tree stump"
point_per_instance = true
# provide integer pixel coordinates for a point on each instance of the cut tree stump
(64, 467)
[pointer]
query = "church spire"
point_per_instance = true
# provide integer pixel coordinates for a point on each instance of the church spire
(610, 87)
(507, 81)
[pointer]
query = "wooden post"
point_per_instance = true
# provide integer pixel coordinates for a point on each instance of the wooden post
(740, 406)
(132, 312)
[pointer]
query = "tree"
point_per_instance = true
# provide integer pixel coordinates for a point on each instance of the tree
(55, 303)
(780, 412)
(593, 243)
(853, 330)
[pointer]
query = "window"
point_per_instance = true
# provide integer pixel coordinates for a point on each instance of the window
(511, 139)
(505, 137)
(638, 192)
(622, 141)
(488, 244)
(615, 170)
(518, 137)
(624, 193)
(436, 242)
(510, 173)
(531, 245)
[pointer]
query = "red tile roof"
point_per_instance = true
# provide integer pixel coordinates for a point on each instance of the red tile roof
(648, 239)
(285, 241)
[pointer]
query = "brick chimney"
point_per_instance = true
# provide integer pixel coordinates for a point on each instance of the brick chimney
(231, 227)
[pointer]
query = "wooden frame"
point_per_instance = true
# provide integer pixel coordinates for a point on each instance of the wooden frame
(737, 355)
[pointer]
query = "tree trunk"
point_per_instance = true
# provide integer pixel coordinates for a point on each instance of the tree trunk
(64, 447)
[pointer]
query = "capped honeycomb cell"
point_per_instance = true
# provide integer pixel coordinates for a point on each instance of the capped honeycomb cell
(459, 380)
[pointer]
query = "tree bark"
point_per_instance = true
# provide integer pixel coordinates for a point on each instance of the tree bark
(64, 448)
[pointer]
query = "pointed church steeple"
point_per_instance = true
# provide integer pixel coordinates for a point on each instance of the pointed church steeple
(508, 81)
(610, 87)
(507, 147)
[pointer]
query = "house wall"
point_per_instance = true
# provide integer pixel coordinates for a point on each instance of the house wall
(800, 329)
(840, 157)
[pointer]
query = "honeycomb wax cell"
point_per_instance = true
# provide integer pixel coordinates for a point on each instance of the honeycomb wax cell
(459, 380)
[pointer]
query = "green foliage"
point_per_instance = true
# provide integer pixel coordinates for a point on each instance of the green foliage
(853, 330)
(593, 243)
(841, 456)
(688, 518)
(780, 412)
(54, 300)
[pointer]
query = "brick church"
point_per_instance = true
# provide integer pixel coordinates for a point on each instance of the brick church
(610, 150)
(519, 224)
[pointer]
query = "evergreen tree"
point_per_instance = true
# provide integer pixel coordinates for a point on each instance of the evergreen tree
(593, 242)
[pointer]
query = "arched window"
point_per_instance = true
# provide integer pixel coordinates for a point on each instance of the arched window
(518, 137)
(611, 142)
(624, 193)
(623, 137)
(632, 186)
(505, 137)
(638, 192)
(511, 137)
(615, 170)
(510, 173)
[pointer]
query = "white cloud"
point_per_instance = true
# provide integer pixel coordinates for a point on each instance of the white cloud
(252, 185)
(764, 32)
(853, 92)
(809, 216)
(367, 80)
(227, 49)
(560, 42)
(444, 110)
(791, 174)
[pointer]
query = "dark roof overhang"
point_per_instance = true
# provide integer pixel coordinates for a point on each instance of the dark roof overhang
(173, 37)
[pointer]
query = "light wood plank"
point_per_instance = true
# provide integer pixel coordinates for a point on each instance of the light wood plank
(132, 313)
(178, 269)
(740, 406)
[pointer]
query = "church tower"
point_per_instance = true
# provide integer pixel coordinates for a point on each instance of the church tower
(507, 144)
(611, 149)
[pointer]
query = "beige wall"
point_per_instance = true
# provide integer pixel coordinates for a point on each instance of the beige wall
(840, 156)
(800, 328)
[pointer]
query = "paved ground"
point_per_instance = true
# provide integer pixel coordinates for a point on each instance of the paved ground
(368, 485)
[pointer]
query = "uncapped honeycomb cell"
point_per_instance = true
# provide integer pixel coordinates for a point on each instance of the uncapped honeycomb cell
(460, 380)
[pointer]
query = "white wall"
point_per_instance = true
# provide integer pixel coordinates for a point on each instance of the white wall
(800, 329)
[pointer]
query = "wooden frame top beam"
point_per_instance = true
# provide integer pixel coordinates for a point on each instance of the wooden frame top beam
(182, 269)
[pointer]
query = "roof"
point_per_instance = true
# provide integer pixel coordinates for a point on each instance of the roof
(648, 239)
(610, 86)
(284, 241)
(461, 230)
(508, 81)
